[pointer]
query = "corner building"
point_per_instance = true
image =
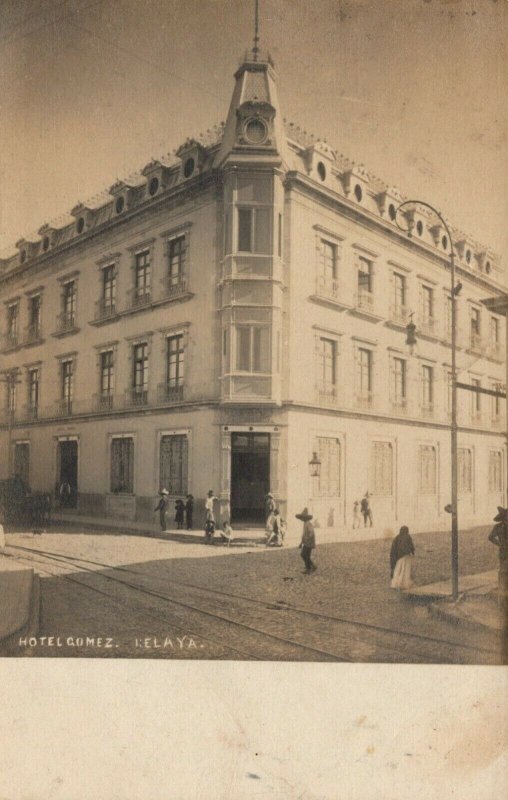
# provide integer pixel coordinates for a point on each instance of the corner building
(217, 319)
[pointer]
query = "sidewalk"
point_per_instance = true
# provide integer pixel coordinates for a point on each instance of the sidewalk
(18, 598)
(477, 604)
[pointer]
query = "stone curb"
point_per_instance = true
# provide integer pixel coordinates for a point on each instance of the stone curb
(437, 610)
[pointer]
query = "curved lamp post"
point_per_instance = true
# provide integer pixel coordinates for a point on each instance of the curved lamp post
(453, 425)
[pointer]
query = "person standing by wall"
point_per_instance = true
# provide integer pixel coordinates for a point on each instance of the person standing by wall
(308, 542)
(162, 508)
(356, 514)
(210, 499)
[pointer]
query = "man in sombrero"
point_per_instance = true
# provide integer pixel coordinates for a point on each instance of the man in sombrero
(308, 542)
(162, 508)
(499, 537)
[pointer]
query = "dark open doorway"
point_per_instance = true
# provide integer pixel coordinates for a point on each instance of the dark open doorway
(68, 473)
(250, 475)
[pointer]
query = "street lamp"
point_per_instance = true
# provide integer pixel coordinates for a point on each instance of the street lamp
(454, 290)
(315, 466)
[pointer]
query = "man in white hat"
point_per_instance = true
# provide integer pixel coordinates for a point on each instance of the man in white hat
(162, 508)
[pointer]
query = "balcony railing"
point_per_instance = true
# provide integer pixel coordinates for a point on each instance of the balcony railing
(104, 401)
(428, 325)
(399, 405)
(327, 394)
(170, 393)
(399, 314)
(175, 288)
(476, 343)
(327, 287)
(427, 410)
(365, 300)
(11, 339)
(496, 351)
(30, 413)
(33, 333)
(140, 297)
(135, 397)
(64, 407)
(104, 309)
(65, 322)
(364, 400)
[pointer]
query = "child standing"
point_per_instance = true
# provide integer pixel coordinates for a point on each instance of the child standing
(189, 510)
(179, 509)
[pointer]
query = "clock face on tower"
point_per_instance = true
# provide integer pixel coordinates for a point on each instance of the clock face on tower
(255, 130)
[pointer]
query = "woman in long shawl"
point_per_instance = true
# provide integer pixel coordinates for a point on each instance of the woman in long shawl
(401, 560)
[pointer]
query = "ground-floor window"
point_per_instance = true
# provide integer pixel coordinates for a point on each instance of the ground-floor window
(495, 471)
(465, 470)
(122, 464)
(382, 468)
(427, 469)
(328, 483)
(173, 463)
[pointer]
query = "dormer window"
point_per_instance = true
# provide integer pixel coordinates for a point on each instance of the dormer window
(23, 256)
(392, 213)
(419, 227)
(255, 130)
(189, 167)
(119, 204)
(80, 224)
(358, 192)
(321, 170)
(153, 187)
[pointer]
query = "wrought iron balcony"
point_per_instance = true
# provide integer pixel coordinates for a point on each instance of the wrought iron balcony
(327, 287)
(399, 314)
(66, 322)
(364, 399)
(365, 300)
(476, 343)
(175, 287)
(104, 309)
(427, 410)
(104, 401)
(136, 397)
(399, 405)
(30, 413)
(428, 325)
(495, 351)
(10, 340)
(64, 407)
(33, 333)
(140, 297)
(328, 394)
(170, 393)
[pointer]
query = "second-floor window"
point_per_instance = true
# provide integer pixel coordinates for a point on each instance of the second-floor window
(254, 230)
(496, 402)
(34, 316)
(365, 276)
(399, 294)
(108, 298)
(494, 332)
(364, 372)
(427, 301)
(175, 363)
(12, 323)
(252, 348)
(143, 276)
(328, 263)
(475, 325)
(177, 249)
(67, 382)
(69, 303)
(327, 364)
(11, 393)
(140, 368)
(106, 373)
(33, 388)
(399, 381)
(427, 386)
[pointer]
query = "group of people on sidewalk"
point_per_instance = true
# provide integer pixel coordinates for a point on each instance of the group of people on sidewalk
(183, 511)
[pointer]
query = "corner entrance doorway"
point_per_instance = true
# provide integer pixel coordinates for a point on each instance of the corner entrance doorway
(250, 476)
(68, 473)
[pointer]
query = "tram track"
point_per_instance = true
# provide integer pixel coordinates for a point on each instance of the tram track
(295, 646)
(390, 637)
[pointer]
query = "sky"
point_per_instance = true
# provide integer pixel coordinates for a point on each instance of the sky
(91, 90)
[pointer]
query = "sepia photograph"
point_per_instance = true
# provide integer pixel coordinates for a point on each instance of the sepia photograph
(253, 331)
